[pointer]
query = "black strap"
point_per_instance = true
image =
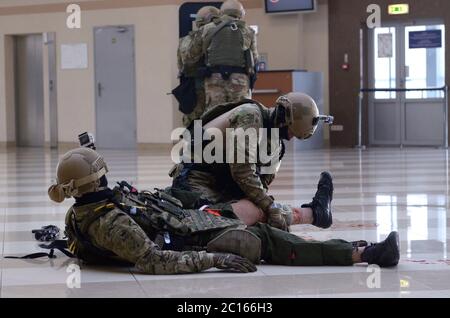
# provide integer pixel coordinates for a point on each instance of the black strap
(225, 71)
(34, 255)
(60, 245)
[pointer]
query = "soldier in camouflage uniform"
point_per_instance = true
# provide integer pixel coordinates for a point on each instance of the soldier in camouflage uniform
(97, 227)
(230, 52)
(190, 69)
(296, 114)
(153, 232)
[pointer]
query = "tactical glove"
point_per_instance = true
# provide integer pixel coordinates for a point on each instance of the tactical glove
(279, 216)
(233, 262)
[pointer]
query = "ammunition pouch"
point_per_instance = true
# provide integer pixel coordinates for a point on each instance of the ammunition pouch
(164, 213)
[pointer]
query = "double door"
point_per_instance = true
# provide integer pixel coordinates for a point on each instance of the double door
(406, 56)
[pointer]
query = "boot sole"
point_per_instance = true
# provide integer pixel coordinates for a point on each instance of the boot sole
(331, 181)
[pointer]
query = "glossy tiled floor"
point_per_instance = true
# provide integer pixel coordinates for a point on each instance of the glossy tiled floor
(376, 191)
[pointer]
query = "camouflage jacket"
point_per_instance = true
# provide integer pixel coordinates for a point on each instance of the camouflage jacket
(129, 236)
(118, 233)
(248, 175)
(186, 65)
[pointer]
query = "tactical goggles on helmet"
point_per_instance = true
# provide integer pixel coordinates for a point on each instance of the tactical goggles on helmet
(326, 119)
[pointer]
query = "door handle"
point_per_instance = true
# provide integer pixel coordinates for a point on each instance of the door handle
(99, 89)
(51, 85)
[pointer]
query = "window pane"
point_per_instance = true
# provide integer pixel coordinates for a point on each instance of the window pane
(426, 65)
(385, 64)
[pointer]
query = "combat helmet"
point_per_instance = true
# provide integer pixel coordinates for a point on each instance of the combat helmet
(205, 15)
(78, 172)
(300, 113)
(233, 8)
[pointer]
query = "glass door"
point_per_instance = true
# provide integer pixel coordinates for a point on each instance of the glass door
(412, 57)
(424, 66)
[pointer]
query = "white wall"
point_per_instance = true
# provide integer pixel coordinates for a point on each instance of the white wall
(291, 41)
(156, 42)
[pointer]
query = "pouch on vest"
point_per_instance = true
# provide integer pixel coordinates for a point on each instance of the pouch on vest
(186, 95)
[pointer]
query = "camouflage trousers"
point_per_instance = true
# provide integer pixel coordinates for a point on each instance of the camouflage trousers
(200, 106)
(119, 233)
(210, 190)
(219, 91)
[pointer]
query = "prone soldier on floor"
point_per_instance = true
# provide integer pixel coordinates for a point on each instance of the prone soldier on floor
(155, 233)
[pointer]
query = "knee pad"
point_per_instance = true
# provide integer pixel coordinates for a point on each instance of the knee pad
(237, 241)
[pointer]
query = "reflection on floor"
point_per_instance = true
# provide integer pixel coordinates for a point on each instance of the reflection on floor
(376, 191)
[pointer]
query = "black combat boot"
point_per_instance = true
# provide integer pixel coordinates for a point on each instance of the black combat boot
(321, 203)
(384, 254)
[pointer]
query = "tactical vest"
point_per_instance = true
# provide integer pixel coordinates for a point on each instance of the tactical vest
(162, 212)
(225, 45)
(221, 171)
(219, 110)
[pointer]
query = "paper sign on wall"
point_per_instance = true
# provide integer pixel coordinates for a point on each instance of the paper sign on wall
(385, 45)
(74, 56)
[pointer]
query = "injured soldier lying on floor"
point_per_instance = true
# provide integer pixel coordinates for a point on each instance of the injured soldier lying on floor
(155, 233)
